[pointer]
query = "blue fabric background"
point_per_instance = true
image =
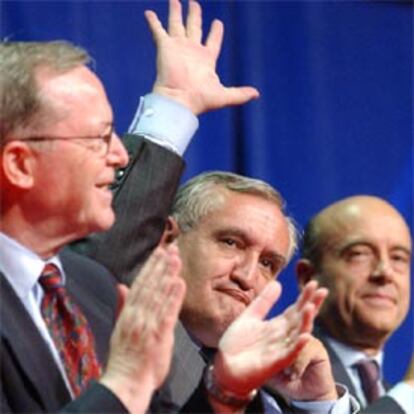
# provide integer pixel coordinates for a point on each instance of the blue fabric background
(335, 117)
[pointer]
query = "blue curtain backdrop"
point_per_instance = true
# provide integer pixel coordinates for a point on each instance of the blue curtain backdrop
(335, 117)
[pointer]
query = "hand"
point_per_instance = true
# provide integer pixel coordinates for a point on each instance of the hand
(142, 341)
(309, 378)
(253, 350)
(186, 69)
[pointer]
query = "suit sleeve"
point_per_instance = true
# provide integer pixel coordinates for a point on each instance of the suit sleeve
(384, 405)
(143, 194)
(97, 399)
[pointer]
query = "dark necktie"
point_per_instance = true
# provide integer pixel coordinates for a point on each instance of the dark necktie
(69, 330)
(369, 374)
(207, 353)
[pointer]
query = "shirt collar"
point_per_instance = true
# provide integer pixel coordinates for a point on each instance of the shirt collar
(21, 266)
(349, 356)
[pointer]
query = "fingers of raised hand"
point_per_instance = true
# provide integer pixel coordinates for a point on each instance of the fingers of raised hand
(175, 20)
(215, 37)
(156, 28)
(194, 22)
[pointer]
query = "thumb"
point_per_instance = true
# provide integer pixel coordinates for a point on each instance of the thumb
(262, 304)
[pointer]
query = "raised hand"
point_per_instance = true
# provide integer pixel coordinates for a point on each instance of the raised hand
(186, 68)
(253, 350)
(142, 342)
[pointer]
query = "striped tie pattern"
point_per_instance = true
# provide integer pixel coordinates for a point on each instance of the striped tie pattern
(69, 330)
(369, 374)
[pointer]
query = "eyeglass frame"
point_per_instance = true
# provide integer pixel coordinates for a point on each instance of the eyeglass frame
(106, 139)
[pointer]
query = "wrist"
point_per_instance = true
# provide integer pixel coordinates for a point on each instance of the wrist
(135, 394)
(222, 395)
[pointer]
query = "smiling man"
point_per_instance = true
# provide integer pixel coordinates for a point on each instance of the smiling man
(60, 348)
(360, 249)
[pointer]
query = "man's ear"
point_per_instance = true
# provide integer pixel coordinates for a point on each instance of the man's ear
(171, 232)
(17, 164)
(305, 271)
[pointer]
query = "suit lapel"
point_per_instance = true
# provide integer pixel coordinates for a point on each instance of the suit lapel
(22, 339)
(338, 369)
(185, 373)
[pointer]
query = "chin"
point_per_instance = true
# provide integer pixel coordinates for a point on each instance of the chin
(102, 223)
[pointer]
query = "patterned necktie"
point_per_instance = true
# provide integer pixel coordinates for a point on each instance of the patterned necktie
(69, 330)
(369, 374)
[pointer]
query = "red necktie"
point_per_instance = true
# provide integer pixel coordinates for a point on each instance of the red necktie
(69, 330)
(368, 371)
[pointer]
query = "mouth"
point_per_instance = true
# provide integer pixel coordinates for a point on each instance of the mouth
(105, 189)
(380, 300)
(238, 295)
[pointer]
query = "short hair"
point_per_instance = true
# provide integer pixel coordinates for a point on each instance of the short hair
(20, 103)
(200, 196)
(312, 242)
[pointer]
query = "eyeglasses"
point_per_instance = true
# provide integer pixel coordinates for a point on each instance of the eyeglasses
(98, 144)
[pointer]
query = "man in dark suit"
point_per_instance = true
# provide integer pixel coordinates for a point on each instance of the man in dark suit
(234, 239)
(360, 248)
(58, 158)
(59, 153)
(188, 363)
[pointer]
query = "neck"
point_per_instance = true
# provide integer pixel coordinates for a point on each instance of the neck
(40, 236)
(368, 343)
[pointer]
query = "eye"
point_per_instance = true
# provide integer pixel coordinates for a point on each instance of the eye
(229, 241)
(267, 263)
(356, 254)
(401, 260)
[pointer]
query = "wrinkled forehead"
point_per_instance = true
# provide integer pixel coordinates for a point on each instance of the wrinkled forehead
(260, 220)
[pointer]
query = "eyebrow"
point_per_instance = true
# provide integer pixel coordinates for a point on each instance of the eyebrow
(278, 258)
(349, 245)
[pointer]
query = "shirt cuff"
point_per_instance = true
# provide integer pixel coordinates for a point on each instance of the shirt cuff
(403, 394)
(165, 122)
(345, 404)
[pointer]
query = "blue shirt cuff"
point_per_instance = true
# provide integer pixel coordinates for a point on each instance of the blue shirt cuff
(345, 404)
(165, 122)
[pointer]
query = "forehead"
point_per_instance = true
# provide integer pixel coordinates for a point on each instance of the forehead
(258, 220)
(77, 98)
(375, 223)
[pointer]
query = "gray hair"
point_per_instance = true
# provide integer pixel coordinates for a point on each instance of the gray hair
(199, 196)
(20, 103)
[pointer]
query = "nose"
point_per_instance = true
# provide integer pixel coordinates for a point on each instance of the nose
(245, 272)
(117, 154)
(382, 269)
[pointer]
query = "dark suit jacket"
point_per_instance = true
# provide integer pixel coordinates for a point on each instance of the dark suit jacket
(144, 193)
(30, 379)
(384, 404)
(143, 197)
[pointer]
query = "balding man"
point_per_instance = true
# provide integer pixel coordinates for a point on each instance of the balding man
(360, 248)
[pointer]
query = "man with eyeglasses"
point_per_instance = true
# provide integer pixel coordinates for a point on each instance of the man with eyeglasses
(58, 159)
